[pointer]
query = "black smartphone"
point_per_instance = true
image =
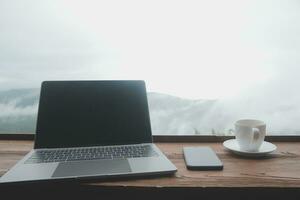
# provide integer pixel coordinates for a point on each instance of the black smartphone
(201, 158)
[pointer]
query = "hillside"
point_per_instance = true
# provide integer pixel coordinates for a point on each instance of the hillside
(169, 114)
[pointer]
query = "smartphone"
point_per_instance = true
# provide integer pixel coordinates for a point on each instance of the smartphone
(201, 158)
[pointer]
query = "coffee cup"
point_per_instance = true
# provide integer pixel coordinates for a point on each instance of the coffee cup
(250, 134)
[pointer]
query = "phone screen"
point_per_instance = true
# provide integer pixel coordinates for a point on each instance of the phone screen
(201, 158)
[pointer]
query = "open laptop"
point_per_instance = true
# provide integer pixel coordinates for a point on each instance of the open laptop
(91, 129)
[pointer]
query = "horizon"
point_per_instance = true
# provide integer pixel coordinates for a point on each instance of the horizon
(169, 115)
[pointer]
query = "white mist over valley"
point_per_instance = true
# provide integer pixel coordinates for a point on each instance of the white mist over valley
(169, 114)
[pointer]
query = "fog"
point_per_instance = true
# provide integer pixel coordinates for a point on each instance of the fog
(169, 114)
(223, 60)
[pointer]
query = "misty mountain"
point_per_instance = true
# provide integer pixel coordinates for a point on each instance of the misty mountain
(174, 115)
(19, 109)
(169, 114)
(22, 97)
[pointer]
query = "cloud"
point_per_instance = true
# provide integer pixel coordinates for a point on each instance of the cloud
(214, 52)
(38, 41)
(172, 115)
(11, 110)
(18, 103)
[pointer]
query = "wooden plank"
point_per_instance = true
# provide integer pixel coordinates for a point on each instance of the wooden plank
(280, 170)
(174, 138)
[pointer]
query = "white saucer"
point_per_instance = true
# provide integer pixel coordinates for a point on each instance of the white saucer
(264, 149)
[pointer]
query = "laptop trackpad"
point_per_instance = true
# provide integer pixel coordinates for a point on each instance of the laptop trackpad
(89, 168)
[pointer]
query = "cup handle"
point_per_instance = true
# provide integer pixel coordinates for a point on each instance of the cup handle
(255, 134)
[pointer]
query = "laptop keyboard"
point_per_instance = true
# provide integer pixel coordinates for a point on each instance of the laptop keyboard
(91, 153)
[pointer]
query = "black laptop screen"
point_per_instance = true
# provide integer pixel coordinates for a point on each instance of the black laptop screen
(90, 113)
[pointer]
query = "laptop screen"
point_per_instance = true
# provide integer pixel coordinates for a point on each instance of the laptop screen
(92, 113)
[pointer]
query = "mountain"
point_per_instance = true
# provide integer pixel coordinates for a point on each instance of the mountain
(174, 115)
(19, 109)
(169, 114)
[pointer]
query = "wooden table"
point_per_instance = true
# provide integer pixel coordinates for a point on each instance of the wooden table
(277, 175)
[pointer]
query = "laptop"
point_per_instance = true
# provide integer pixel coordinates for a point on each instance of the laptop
(91, 130)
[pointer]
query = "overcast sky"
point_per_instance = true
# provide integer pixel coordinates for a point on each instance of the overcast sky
(192, 49)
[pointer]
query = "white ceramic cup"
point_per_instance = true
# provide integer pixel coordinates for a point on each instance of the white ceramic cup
(250, 134)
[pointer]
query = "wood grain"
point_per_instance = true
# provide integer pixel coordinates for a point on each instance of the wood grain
(280, 170)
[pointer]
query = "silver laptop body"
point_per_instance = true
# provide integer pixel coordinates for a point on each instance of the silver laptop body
(91, 130)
